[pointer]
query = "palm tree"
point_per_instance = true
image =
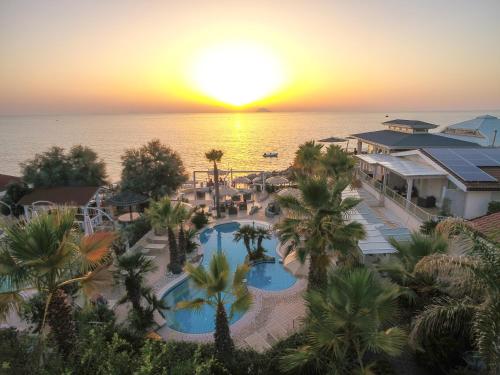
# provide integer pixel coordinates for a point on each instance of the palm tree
(191, 244)
(262, 234)
(48, 254)
(307, 158)
(336, 163)
(353, 316)
(215, 157)
(131, 272)
(165, 215)
(316, 226)
(472, 304)
(400, 267)
(247, 234)
(183, 215)
(220, 288)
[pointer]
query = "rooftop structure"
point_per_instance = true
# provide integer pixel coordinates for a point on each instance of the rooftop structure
(483, 130)
(404, 135)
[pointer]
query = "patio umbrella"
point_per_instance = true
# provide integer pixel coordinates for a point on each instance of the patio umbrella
(226, 190)
(277, 180)
(294, 192)
(242, 180)
(127, 199)
(257, 180)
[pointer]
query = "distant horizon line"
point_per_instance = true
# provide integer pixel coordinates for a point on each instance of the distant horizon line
(267, 111)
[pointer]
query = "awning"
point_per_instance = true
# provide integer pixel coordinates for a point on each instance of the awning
(400, 166)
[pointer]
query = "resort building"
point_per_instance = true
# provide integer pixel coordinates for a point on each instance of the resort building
(404, 135)
(87, 200)
(483, 130)
(420, 185)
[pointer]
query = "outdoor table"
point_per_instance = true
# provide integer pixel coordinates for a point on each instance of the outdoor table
(129, 217)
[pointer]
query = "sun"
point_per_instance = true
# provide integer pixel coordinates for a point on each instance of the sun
(237, 73)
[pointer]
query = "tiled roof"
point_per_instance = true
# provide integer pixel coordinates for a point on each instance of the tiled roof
(403, 141)
(489, 226)
(65, 195)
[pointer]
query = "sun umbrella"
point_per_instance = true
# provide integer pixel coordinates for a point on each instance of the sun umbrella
(226, 190)
(257, 180)
(277, 180)
(242, 180)
(290, 192)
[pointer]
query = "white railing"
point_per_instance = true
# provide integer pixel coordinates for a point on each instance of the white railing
(401, 201)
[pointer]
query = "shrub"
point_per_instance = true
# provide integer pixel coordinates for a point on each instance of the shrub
(138, 229)
(493, 207)
(428, 226)
(199, 219)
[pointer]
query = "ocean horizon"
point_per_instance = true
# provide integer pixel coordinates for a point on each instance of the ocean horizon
(243, 137)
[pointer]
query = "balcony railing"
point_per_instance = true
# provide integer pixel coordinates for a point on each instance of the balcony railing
(401, 201)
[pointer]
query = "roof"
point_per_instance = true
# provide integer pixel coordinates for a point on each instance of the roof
(477, 168)
(411, 124)
(6, 179)
(65, 195)
(403, 141)
(484, 126)
(489, 226)
(126, 198)
(403, 167)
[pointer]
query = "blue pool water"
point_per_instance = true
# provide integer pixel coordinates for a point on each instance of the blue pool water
(267, 276)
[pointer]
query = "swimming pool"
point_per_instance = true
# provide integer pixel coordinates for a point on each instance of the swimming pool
(266, 276)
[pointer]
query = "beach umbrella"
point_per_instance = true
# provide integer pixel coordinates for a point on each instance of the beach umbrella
(242, 180)
(226, 190)
(294, 192)
(277, 180)
(128, 199)
(257, 180)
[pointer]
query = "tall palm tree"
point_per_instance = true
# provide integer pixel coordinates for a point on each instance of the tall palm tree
(131, 273)
(48, 253)
(316, 226)
(247, 234)
(352, 316)
(261, 234)
(220, 287)
(163, 214)
(215, 157)
(307, 158)
(472, 304)
(336, 163)
(400, 267)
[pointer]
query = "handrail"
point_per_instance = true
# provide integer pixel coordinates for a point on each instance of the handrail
(401, 201)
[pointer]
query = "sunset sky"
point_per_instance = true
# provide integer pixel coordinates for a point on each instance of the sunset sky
(147, 56)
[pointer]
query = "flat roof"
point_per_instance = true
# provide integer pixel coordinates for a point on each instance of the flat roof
(77, 196)
(403, 167)
(411, 124)
(403, 141)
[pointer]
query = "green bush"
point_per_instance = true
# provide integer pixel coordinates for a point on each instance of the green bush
(199, 219)
(493, 207)
(138, 229)
(428, 226)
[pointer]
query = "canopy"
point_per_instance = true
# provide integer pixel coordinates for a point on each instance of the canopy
(296, 193)
(332, 140)
(257, 180)
(401, 166)
(277, 180)
(226, 190)
(242, 180)
(127, 198)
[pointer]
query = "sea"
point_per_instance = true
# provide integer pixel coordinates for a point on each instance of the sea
(244, 137)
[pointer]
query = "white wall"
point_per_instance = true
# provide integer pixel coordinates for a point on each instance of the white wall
(476, 203)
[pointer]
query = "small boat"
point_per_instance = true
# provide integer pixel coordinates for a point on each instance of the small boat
(270, 154)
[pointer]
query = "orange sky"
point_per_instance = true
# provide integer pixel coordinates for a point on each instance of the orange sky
(137, 56)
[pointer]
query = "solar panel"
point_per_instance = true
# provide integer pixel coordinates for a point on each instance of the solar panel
(465, 163)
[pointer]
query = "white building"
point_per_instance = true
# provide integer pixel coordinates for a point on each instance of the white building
(483, 130)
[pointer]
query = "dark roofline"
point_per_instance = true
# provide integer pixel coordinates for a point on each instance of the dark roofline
(61, 195)
(412, 124)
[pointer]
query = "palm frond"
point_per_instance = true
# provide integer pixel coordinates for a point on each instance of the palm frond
(195, 304)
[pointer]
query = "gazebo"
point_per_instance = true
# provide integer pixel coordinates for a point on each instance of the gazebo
(127, 199)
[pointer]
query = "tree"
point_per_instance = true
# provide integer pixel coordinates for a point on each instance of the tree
(79, 167)
(164, 215)
(472, 304)
(220, 287)
(350, 318)
(336, 163)
(215, 157)
(247, 234)
(14, 192)
(262, 234)
(131, 272)
(307, 158)
(316, 226)
(48, 254)
(252, 238)
(400, 267)
(153, 169)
